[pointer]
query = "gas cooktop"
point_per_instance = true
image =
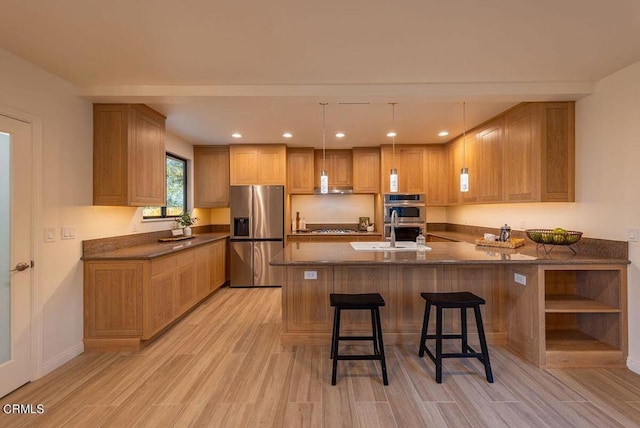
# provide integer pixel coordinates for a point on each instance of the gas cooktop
(334, 231)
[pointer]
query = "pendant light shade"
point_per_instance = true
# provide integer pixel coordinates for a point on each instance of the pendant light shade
(393, 176)
(324, 178)
(464, 171)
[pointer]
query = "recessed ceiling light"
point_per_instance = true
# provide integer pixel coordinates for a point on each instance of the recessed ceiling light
(340, 134)
(236, 135)
(391, 134)
(443, 133)
(287, 135)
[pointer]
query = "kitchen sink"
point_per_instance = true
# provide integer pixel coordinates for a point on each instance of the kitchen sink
(385, 246)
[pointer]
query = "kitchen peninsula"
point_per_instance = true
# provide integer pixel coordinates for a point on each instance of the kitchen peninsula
(554, 310)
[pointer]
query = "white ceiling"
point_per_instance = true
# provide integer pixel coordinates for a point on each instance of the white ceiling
(263, 67)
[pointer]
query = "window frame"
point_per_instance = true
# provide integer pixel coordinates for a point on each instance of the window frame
(163, 210)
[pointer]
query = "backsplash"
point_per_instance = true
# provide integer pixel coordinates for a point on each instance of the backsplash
(333, 209)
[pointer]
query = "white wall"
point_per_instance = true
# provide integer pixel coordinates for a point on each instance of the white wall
(607, 195)
(67, 137)
(5, 279)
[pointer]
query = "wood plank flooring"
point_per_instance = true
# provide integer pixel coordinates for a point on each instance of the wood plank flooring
(223, 366)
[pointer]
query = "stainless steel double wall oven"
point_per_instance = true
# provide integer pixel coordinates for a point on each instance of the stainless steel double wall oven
(411, 210)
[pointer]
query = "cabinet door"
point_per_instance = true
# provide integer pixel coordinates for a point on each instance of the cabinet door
(272, 164)
(218, 264)
(110, 155)
(243, 164)
(113, 299)
(366, 170)
(159, 303)
(558, 153)
(203, 271)
(470, 161)
(410, 163)
(436, 165)
(454, 164)
(300, 168)
(490, 160)
(522, 154)
(211, 176)
(147, 159)
(338, 164)
(186, 294)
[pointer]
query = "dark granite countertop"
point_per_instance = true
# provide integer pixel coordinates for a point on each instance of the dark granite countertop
(441, 253)
(155, 249)
(335, 234)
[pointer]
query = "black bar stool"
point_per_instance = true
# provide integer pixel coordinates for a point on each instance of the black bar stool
(461, 300)
(370, 302)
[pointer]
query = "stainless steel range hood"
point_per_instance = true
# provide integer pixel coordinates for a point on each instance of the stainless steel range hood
(335, 190)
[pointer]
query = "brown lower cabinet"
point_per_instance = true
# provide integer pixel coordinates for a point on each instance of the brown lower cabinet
(129, 301)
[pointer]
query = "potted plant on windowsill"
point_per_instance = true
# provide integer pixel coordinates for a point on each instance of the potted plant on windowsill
(186, 221)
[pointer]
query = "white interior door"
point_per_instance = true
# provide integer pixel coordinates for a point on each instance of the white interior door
(15, 254)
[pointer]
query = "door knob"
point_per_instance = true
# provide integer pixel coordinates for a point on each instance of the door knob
(20, 267)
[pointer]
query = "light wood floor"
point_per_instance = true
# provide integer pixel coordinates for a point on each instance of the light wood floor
(223, 366)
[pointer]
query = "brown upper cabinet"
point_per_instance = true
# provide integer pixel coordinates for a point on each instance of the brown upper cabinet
(258, 164)
(523, 155)
(338, 164)
(129, 166)
(211, 176)
(436, 165)
(366, 170)
(539, 153)
(410, 163)
(300, 170)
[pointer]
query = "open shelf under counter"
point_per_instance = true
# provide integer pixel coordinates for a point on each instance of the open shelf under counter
(574, 303)
(574, 341)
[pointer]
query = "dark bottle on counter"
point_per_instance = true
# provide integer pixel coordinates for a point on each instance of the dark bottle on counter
(505, 233)
(297, 221)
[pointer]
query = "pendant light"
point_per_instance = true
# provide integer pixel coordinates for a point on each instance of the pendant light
(464, 171)
(324, 178)
(393, 176)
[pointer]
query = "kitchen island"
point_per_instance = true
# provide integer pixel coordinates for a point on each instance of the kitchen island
(555, 310)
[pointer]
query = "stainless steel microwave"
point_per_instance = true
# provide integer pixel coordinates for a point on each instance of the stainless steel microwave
(410, 207)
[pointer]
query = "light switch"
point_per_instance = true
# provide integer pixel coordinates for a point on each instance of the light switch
(632, 234)
(49, 234)
(68, 232)
(310, 274)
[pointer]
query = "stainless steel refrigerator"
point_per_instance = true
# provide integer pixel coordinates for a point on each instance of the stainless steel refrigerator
(257, 235)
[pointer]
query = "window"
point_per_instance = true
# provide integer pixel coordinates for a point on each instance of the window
(176, 190)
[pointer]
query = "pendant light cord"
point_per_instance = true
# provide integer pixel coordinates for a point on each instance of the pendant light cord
(393, 139)
(464, 135)
(323, 137)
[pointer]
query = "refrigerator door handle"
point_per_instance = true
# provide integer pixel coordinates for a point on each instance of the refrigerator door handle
(257, 263)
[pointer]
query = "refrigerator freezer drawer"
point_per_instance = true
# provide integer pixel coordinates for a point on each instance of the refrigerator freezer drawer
(265, 275)
(241, 260)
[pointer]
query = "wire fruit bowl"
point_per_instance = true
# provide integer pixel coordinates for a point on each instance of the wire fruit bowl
(551, 237)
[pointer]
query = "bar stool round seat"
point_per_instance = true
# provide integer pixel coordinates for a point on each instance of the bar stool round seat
(371, 302)
(463, 301)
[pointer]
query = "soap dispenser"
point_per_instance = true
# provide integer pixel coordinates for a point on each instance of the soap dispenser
(421, 242)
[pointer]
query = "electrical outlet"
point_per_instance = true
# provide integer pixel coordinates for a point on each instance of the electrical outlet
(310, 274)
(523, 225)
(520, 279)
(632, 234)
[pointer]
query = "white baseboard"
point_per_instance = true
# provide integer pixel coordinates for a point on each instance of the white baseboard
(633, 365)
(64, 357)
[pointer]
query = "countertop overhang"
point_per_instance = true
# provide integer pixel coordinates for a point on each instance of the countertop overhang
(310, 253)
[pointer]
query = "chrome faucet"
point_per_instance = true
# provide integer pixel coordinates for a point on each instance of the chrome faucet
(394, 224)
